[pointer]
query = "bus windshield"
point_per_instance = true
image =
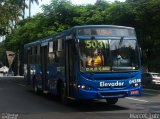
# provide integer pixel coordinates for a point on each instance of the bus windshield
(107, 55)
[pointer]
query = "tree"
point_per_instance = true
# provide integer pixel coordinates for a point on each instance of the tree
(61, 15)
(30, 2)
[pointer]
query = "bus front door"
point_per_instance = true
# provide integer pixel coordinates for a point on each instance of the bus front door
(70, 67)
(44, 67)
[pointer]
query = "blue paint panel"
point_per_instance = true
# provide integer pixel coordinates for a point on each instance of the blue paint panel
(54, 73)
(109, 85)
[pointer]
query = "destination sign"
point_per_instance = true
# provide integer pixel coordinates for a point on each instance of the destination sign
(106, 32)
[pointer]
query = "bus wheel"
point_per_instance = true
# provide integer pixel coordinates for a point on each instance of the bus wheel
(35, 88)
(63, 94)
(112, 101)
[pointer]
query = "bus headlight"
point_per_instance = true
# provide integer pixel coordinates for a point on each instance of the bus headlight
(135, 84)
(84, 87)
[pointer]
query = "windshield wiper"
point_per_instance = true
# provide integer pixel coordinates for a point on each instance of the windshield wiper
(120, 42)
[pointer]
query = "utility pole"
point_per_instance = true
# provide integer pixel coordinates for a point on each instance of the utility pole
(29, 9)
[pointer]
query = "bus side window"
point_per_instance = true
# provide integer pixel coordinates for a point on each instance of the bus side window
(60, 51)
(38, 54)
(51, 52)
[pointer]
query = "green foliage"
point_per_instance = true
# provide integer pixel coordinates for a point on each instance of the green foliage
(62, 14)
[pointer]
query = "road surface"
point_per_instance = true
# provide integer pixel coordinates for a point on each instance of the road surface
(17, 101)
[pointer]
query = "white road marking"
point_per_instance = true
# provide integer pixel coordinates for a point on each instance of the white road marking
(137, 99)
(21, 85)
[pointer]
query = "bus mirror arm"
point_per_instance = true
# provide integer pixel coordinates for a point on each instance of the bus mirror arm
(140, 50)
(77, 47)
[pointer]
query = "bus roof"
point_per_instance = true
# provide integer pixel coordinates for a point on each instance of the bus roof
(102, 26)
(73, 29)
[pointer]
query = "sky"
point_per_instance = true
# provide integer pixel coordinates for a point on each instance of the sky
(36, 8)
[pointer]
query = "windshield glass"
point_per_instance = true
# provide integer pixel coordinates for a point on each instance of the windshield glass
(107, 55)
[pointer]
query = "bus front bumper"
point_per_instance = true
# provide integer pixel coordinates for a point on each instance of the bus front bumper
(90, 94)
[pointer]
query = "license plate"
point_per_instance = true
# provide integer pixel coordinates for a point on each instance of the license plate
(135, 92)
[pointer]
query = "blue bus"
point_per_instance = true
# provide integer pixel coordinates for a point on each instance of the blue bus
(86, 62)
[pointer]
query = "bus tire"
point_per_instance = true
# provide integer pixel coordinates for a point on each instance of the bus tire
(63, 96)
(35, 88)
(112, 101)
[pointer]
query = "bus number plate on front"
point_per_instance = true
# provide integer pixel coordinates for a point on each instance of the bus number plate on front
(135, 92)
